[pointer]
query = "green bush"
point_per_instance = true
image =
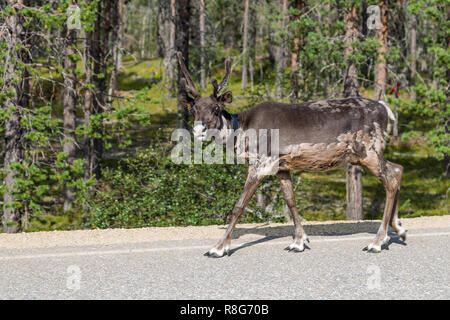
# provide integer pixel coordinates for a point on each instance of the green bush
(148, 189)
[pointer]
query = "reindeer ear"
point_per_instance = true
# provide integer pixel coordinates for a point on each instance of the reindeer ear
(227, 97)
(186, 101)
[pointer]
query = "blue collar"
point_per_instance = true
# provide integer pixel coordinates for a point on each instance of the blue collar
(234, 121)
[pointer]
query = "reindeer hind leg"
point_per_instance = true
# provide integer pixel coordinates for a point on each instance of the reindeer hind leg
(288, 191)
(395, 222)
(390, 175)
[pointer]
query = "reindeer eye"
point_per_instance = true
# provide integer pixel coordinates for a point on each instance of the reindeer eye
(216, 109)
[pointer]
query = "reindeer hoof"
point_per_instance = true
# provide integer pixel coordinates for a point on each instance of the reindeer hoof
(402, 235)
(213, 254)
(216, 253)
(372, 248)
(295, 247)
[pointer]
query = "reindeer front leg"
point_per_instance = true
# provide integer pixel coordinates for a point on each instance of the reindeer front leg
(251, 184)
(288, 191)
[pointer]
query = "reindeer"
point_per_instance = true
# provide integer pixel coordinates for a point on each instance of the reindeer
(313, 136)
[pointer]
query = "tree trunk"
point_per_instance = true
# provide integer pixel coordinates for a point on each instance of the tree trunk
(253, 33)
(351, 83)
(99, 66)
(351, 89)
(245, 48)
(166, 36)
(115, 44)
(295, 52)
(202, 46)
(413, 53)
(172, 52)
(142, 42)
(69, 104)
(88, 101)
(12, 215)
(447, 121)
(261, 35)
(120, 35)
(280, 55)
(380, 67)
(182, 45)
(354, 193)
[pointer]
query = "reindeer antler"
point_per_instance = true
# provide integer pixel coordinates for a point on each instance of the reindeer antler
(187, 84)
(218, 87)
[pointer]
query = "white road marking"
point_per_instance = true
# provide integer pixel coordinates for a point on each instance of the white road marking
(148, 250)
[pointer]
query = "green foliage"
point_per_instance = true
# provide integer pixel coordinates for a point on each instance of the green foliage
(147, 189)
(428, 114)
(43, 169)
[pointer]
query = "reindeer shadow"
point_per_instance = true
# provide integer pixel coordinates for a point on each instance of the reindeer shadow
(329, 229)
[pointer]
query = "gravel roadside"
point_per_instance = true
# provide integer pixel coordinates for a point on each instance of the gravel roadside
(242, 231)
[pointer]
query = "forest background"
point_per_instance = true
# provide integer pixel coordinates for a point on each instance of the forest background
(88, 102)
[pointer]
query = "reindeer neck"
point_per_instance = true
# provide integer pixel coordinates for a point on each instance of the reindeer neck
(234, 120)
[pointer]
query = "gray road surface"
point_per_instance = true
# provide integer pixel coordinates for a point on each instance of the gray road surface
(334, 267)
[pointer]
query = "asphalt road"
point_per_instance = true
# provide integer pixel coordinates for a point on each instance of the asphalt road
(334, 267)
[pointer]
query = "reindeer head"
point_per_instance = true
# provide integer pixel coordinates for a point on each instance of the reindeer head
(207, 111)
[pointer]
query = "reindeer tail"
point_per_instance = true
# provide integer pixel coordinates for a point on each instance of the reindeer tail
(391, 115)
